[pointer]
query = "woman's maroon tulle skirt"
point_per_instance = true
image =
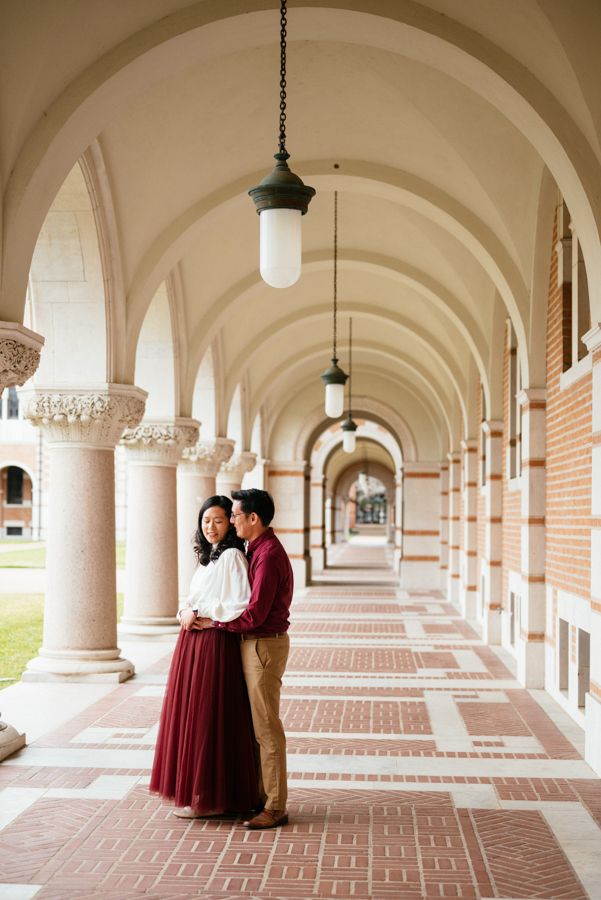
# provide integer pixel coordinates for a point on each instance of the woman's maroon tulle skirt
(204, 756)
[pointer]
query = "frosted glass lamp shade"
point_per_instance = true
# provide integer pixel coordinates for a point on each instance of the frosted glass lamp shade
(349, 441)
(334, 400)
(280, 254)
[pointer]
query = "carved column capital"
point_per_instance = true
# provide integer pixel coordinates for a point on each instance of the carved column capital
(92, 417)
(207, 456)
(234, 470)
(19, 354)
(160, 443)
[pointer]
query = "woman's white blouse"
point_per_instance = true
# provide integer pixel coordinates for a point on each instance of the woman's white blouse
(220, 590)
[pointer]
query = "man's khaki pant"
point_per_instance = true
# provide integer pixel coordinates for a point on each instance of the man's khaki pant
(264, 662)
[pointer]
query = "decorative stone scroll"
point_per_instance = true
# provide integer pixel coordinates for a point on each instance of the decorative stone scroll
(206, 456)
(19, 354)
(234, 470)
(92, 417)
(10, 740)
(160, 443)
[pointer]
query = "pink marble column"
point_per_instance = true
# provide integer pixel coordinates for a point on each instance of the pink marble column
(196, 475)
(151, 572)
(81, 428)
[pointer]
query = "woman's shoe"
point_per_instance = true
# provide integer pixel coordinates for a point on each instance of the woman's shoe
(186, 812)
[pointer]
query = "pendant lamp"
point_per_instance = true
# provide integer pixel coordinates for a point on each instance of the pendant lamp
(334, 378)
(349, 439)
(281, 200)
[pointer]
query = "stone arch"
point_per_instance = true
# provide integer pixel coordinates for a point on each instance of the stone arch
(79, 113)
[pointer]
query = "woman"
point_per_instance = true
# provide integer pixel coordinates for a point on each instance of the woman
(204, 755)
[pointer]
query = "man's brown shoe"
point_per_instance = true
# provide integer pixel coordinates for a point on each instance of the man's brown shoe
(269, 818)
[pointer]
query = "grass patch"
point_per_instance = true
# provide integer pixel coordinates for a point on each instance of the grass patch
(35, 558)
(120, 553)
(21, 625)
(21, 629)
(24, 559)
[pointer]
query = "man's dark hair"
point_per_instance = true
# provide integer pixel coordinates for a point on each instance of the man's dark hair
(253, 500)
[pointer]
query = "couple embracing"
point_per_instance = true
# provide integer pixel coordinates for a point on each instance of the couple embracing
(221, 744)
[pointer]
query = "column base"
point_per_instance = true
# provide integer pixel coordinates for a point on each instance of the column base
(419, 575)
(96, 666)
(531, 663)
(453, 589)
(491, 626)
(592, 751)
(10, 740)
(301, 569)
(318, 557)
(150, 628)
(468, 603)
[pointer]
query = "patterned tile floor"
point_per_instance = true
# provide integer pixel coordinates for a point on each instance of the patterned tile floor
(418, 768)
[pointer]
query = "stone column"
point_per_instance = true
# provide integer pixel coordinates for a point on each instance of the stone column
(421, 524)
(196, 474)
(231, 473)
(81, 427)
(453, 573)
(317, 534)
(19, 359)
(287, 485)
(492, 564)
(328, 516)
(530, 636)
(592, 754)
(468, 590)
(151, 583)
(444, 523)
(398, 522)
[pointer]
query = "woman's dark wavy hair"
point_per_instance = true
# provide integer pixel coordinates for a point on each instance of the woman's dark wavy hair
(206, 552)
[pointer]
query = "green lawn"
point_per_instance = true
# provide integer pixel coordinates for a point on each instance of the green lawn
(21, 625)
(21, 621)
(35, 558)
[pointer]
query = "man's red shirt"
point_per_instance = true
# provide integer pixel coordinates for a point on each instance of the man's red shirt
(271, 586)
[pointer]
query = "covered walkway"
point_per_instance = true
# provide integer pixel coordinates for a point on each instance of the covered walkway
(419, 767)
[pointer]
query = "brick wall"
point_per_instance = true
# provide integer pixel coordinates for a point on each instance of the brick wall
(569, 444)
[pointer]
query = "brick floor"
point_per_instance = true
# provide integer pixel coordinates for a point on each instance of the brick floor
(368, 832)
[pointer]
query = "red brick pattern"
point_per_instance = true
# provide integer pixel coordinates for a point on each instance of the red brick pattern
(351, 835)
(361, 716)
(523, 856)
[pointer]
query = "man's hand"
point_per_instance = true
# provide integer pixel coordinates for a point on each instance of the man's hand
(201, 623)
(187, 617)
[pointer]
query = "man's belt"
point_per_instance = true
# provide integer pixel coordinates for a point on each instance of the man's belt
(253, 636)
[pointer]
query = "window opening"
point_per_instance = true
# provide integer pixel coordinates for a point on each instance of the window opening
(14, 486)
(512, 606)
(13, 404)
(584, 665)
(564, 654)
(14, 530)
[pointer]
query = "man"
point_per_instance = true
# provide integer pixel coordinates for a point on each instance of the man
(264, 645)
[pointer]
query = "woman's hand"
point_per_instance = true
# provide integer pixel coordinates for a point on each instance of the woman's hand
(201, 623)
(187, 617)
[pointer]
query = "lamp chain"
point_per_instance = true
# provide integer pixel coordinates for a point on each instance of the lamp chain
(335, 269)
(350, 362)
(283, 76)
